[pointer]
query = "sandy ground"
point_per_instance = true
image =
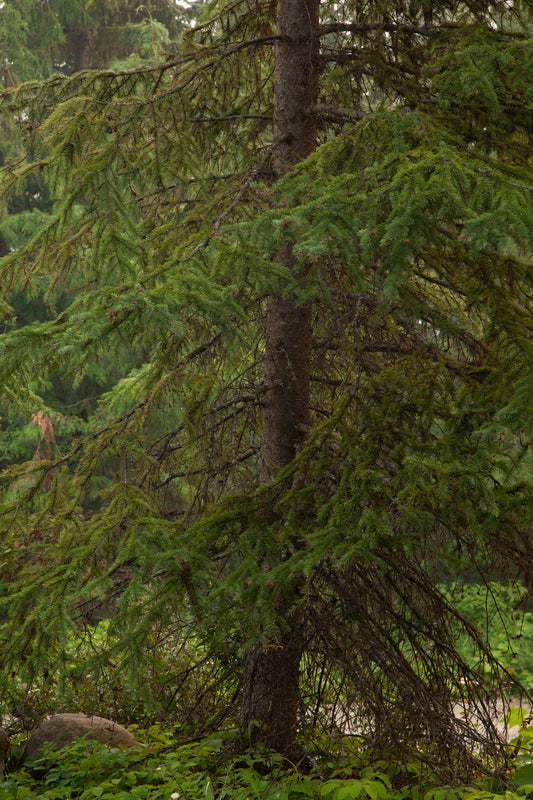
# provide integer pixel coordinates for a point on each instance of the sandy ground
(508, 728)
(510, 731)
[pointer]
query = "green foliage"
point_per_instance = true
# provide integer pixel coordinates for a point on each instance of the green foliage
(68, 35)
(180, 682)
(498, 612)
(413, 225)
(39, 39)
(163, 768)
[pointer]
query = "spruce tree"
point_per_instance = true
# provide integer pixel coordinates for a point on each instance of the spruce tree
(40, 39)
(318, 235)
(271, 678)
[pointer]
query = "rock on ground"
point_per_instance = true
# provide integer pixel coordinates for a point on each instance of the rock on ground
(63, 729)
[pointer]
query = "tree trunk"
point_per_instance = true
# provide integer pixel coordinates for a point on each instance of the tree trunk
(271, 676)
(81, 42)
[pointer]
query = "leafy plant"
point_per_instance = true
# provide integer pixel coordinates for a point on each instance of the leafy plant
(207, 769)
(500, 613)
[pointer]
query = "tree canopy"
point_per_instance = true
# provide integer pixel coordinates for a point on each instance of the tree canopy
(183, 220)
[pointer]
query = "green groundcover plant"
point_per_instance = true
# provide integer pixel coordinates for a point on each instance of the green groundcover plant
(207, 769)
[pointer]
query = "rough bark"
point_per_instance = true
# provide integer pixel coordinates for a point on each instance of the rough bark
(271, 678)
(4, 750)
(296, 81)
(286, 419)
(269, 712)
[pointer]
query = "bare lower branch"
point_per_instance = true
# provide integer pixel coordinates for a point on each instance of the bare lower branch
(231, 117)
(323, 109)
(386, 27)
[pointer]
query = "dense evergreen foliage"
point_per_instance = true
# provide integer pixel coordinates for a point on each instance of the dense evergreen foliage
(410, 228)
(40, 39)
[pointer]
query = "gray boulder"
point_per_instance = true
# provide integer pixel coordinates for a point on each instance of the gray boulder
(63, 729)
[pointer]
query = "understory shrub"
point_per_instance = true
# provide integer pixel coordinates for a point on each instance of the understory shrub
(208, 769)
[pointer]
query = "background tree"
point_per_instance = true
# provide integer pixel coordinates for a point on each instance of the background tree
(42, 38)
(39, 40)
(336, 342)
(69, 35)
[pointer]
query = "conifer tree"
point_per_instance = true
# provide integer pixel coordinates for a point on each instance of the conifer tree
(271, 680)
(318, 234)
(69, 35)
(65, 36)
(40, 39)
